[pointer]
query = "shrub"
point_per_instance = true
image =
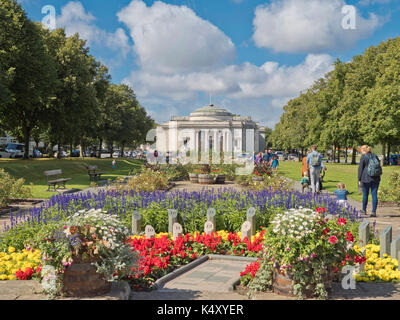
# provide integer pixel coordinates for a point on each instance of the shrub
(273, 182)
(11, 188)
(147, 181)
(393, 192)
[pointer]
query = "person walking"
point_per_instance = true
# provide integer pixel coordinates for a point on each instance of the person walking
(304, 167)
(314, 161)
(369, 178)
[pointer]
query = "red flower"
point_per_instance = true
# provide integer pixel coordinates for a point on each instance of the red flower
(349, 237)
(321, 210)
(341, 222)
(333, 240)
(326, 230)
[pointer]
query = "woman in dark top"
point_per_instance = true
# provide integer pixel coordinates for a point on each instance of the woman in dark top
(367, 182)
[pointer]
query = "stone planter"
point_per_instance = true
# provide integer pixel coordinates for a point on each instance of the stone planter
(220, 179)
(206, 179)
(82, 280)
(257, 179)
(194, 177)
(283, 284)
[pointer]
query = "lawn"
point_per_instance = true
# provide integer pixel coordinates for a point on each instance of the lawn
(75, 168)
(346, 173)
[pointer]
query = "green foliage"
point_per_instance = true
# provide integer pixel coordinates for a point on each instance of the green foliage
(392, 192)
(11, 188)
(147, 181)
(356, 103)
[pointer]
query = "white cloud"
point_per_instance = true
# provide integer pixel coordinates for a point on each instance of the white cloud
(170, 38)
(259, 92)
(307, 26)
(235, 81)
(75, 20)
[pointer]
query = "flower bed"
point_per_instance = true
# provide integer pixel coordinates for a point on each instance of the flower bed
(162, 255)
(22, 265)
(230, 206)
(377, 269)
(303, 249)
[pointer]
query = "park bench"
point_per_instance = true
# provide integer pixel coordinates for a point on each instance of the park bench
(53, 179)
(93, 173)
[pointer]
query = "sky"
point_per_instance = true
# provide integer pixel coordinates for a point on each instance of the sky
(251, 56)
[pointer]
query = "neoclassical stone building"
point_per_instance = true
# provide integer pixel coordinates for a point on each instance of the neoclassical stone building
(210, 128)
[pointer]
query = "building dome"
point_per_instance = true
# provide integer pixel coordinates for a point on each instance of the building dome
(211, 113)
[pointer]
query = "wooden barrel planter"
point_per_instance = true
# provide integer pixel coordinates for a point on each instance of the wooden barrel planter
(220, 179)
(206, 179)
(82, 280)
(283, 284)
(194, 177)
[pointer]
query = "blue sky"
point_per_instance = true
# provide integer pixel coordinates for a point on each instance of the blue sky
(251, 55)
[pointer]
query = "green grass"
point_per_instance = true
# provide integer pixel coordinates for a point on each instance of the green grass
(346, 173)
(75, 168)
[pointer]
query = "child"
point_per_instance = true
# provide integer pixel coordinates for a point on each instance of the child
(341, 194)
(275, 163)
(305, 181)
(114, 164)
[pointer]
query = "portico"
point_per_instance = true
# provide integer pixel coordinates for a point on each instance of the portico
(210, 129)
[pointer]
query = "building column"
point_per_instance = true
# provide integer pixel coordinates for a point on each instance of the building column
(216, 141)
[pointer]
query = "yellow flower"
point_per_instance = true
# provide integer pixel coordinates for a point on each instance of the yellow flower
(11, 249)
(3, 277)
(11, 277)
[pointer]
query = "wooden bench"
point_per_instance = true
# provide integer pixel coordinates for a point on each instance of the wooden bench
(93, 173)
(53, 179)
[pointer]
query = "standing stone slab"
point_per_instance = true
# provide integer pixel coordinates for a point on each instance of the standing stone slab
(251, 217)
(395, 250)
(172, 219)
(246, 230)
(150, 232)
(177, 231)
(212, 217)
(136, 223)
(208, 228)
(363, 233)
(385, 240)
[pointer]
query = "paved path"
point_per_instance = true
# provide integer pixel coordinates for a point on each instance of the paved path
(210, 276)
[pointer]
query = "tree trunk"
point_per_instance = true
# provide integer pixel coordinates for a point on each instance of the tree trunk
(59, 150)
(122, 151)
(346, 156)
(82, 149)
(334, 154)
(384, 151)
(388, 153)
(111, 149)
(353, 156)
(27, 137)
(100, 147)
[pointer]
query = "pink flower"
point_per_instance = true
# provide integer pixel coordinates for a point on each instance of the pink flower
(333, 240)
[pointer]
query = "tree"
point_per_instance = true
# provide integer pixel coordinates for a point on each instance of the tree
(381, 113)
(75, 104)
(268, 138)
(26, 57)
